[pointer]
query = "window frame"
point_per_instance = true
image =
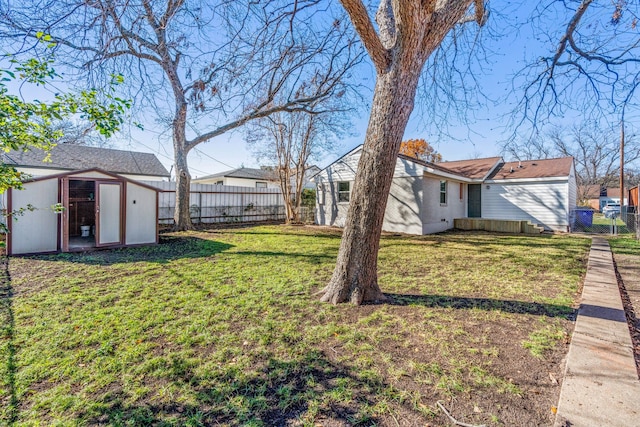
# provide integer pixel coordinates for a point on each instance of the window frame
(261, 184)
(443, 193)
(342, 193)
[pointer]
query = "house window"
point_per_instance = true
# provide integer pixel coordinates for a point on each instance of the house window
(344, 189)
(261, 185)
(443, 192)
(461, 191)
(219, 182)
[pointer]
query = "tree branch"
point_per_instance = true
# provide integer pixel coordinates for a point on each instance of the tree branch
(380, 56)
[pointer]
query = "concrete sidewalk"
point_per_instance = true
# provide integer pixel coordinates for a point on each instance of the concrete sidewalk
(600, 386)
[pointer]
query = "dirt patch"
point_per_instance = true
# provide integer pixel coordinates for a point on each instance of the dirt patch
(628, 274)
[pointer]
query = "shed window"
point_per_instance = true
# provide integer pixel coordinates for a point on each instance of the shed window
(261, 185)
(443, 192)
(461, 191)
(344, 190)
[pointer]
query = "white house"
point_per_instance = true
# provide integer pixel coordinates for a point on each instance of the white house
(99, 207)
(426, 198)
(242, 177)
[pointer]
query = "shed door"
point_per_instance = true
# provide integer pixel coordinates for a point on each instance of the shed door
(475, 201)
(109, 213)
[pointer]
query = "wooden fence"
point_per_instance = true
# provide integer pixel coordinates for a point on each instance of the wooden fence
(222, 203)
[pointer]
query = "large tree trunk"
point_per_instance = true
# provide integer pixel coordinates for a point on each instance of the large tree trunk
(181, 215)
(355, 278)
(409, 31)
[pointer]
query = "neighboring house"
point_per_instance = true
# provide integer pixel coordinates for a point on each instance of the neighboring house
(242, 177)
(71, 157)
(589, 195)
(102, 202)
(255, 178)
(310, 173)
(425, 198)
(610, 195)
(597, 197)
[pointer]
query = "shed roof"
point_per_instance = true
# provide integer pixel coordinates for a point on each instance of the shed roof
(78, 174)
(527, 169)
(246, 173)
(76, 157)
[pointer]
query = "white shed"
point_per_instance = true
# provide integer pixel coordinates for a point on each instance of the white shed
(98, 209)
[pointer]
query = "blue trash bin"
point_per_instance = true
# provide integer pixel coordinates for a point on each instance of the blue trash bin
(584, 217)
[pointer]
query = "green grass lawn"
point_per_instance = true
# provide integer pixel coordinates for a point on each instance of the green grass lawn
(627, 245)
(223, 327)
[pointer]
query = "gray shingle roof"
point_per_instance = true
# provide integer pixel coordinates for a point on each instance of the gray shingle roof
(247, 173)
(78, 157)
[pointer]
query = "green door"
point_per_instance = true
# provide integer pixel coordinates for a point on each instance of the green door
(474, 210)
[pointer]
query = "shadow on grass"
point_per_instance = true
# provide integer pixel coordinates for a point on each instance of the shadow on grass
(487, 241)
(625, 246)
(170, 248)
(315, 258)
(508, 306)
(9, 413)
(279, 394)
(284, 230)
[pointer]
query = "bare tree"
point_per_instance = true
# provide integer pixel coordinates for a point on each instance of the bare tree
(595, 68)
(292, 141)
(78, 133)
(408, 33)
(594, 147)
(216, 64)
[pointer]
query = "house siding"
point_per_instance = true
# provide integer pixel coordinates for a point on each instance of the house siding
(573, 189)
(403, 213)
(236, 182)
(328, 210)
(544, 203)
(404, 206)
(437, 217)
(35, 231)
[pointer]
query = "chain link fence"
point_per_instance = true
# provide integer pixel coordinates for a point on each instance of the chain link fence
(592, 222)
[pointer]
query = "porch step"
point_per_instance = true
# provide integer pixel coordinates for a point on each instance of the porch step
(497, 225)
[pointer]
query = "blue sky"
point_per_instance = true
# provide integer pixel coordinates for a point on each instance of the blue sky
(509, 42)
(479, 138)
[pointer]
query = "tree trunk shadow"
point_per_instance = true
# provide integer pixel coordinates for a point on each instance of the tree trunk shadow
(508, 306)
(7, 337)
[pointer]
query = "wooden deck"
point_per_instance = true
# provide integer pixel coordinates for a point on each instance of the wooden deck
(497, 225)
